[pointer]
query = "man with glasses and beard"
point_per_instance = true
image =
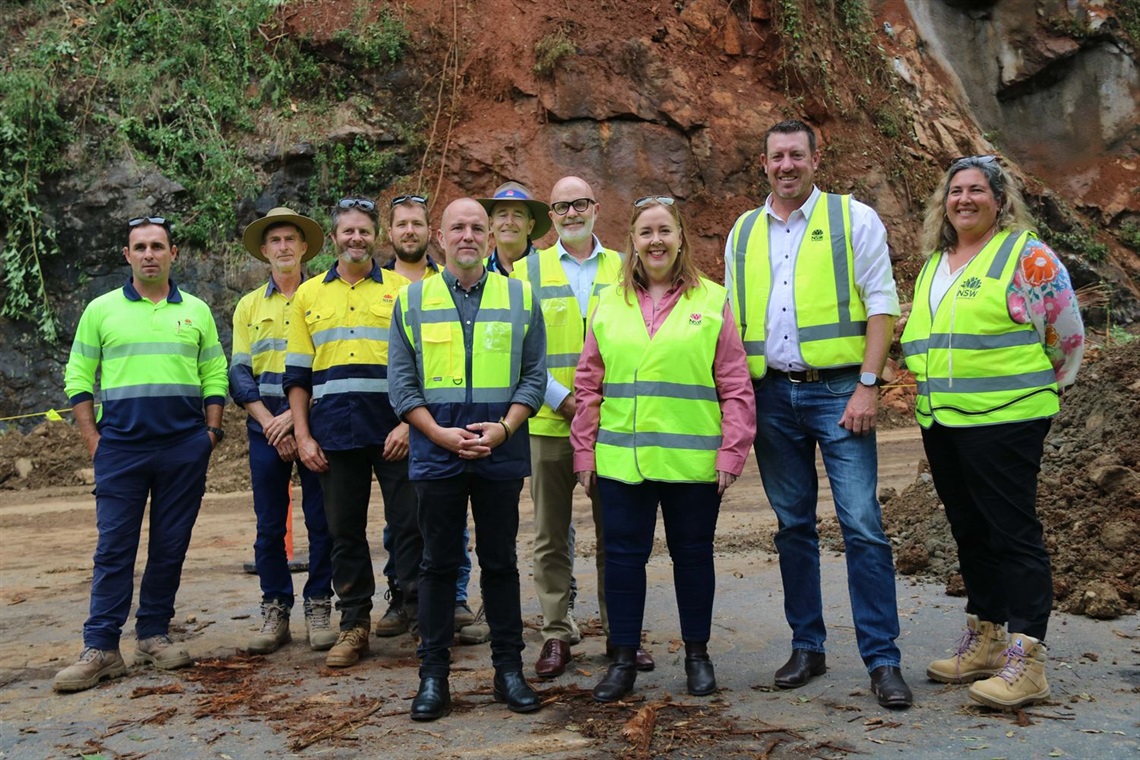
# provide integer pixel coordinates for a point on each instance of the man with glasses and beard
(336, 379)
(162, 381)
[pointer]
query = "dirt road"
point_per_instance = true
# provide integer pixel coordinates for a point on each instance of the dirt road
(233, 706)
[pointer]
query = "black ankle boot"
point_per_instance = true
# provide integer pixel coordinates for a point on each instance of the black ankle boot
(620, 677)
(699, 669)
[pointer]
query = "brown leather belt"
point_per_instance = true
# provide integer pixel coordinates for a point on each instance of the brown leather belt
(811, 375)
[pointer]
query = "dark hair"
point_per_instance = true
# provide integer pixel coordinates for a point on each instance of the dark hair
(372, 214)
(791, 127)
(392, 212)
(265, 232)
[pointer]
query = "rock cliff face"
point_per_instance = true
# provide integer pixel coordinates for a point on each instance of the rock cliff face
(645, 96)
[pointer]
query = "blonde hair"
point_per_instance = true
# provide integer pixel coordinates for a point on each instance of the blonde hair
(937, 232)
(685, 273)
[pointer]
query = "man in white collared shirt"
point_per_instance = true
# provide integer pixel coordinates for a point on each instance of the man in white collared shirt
(810, 279)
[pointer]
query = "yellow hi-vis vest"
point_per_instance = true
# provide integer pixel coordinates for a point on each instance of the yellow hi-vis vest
(831, 318)
(565, 330)
(660, 417)
(974, 365)
(432, 325)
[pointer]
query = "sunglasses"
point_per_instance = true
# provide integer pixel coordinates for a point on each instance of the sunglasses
(361, 203)
(409, 199)
(149, 220)
(579, 204)
(987, 159)
(644, 201)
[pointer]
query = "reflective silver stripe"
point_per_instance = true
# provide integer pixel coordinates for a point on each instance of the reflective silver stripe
(299, 360)
(268, 344)
(1019, 382)
(742, 236)
(213, 352)
(915, 347)
(458, 395)
(663, 389)
(558, 361)
(839, 330)
(271, 389)
(500, 315)
(242, 360)
(351, 385)
(350, 333)
(662, 440)
(754, 347)
(600, 286)
(997, 266)
(517, 317)
(164, 390)
(923, 388)
(553, 291)
(111, 353)
(413, 318)
(89, 352)
(981, 342)
(839, 261)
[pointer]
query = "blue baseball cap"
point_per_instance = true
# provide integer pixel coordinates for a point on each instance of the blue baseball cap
(516, 191)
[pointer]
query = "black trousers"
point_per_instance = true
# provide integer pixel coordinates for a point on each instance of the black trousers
(348, 486)
(986, 477)
(443, 516)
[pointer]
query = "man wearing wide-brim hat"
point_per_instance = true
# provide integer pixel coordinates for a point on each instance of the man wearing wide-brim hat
(284, 240)
(517, 218)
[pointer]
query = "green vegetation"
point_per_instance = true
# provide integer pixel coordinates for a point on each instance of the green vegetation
(1130, 235)
(174, 85)
(550, 50)
(1079, 240)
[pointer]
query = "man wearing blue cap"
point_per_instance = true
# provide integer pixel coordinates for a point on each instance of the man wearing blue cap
(516, 219)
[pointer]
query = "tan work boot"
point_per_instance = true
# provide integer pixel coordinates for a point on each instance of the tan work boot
(92, 667)
(478, 632)
(318, 624)
(350, 646)
(274, 629)
(162, 653)
(463, 615)
(981, 654)
(1021, 681)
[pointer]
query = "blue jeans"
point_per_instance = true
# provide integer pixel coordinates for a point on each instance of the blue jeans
(174, 477)
(272, 482)
(791, 419)
(629, 517)
(461, 581)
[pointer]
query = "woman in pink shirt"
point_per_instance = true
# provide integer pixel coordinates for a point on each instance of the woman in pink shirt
(666, 415)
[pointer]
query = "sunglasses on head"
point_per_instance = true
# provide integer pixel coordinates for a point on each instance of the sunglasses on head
(578, 204)
(986, 159)
(409, 199)
(646, 200)
(361, 203)
(148, 220)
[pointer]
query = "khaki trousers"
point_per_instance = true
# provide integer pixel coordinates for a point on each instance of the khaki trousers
(552, 484)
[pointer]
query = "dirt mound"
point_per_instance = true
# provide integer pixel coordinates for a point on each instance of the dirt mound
(53, 455)
(1088, 497)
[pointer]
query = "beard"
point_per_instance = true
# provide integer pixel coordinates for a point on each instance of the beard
(410, 255)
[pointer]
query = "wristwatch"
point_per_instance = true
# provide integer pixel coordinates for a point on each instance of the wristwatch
(870, 379)
(219, 434)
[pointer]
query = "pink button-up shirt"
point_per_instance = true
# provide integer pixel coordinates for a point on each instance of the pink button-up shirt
(730, 371)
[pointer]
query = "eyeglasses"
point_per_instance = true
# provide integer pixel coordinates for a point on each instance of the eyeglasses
(646, 200)
(986, 159)
(149, 220)
(409, 199)
(361, 203)
(579, 204)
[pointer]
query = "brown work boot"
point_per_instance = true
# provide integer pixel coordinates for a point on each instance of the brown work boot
(162, 653)
(350, 646)
(395, 620)
(274, 628)
(93, 666)
(981, 654)
(463, 615)
(318, 624)
(1022, 679)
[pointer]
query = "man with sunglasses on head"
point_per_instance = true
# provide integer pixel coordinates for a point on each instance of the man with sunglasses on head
(336, 379)
(516, 219)
(567, 279)
(162, 381)
(809, 275)
(285, 241)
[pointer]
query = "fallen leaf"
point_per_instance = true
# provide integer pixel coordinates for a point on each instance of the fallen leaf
(638, 730)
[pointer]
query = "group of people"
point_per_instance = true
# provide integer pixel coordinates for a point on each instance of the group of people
(631, 374)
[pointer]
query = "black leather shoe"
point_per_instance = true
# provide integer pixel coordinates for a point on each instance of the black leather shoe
(699, 669)
(512, 688)
(889, 688)
(800, 668)
(620, 677)
(433, 700)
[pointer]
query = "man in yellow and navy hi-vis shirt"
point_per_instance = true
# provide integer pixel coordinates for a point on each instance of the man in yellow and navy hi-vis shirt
(162, 382)
(467, 371)
(284, 240)
(567, 279)
(809, 274)
(336, 380)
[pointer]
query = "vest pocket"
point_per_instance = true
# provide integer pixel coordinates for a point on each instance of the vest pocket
(437, 352)
(496, 338)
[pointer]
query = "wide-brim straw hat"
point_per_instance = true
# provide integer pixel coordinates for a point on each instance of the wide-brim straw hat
(516, 191)
(312, 232)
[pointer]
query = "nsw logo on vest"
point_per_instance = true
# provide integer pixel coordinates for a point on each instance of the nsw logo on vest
(817, 235)
(695, 319)
(970, 287)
